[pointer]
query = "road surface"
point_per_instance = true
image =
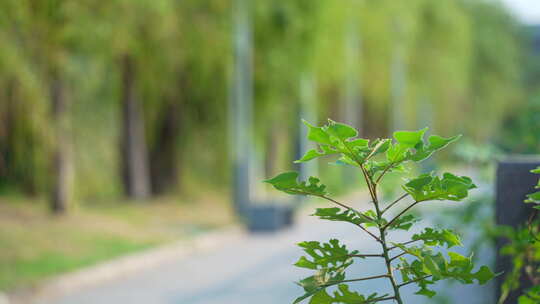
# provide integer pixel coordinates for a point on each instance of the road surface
(255, 269)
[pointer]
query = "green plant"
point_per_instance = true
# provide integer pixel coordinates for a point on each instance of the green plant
(424, 266)
(524, 249)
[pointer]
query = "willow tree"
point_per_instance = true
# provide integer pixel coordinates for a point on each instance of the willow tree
(126, 43)
(42, 36)
(23, 122)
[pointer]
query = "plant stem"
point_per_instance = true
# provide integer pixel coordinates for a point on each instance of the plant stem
(346, 207)
(400, 214)
(357, 280)
(379, 299)
(399, 255)
(395, 202)
(367, 255)
(388, 262)
(358, 213)
(403, 244)
(386, 256)
(414, 281)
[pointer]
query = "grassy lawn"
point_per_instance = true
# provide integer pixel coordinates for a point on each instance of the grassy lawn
(35, 245)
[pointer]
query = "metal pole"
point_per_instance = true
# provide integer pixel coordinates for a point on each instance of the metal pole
(352, 101)
(398, 79)
(308, 112)
(240, 107)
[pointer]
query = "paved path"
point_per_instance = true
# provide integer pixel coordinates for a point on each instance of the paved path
(252, 269)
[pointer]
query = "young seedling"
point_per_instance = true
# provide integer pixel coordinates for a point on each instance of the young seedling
(416, 260)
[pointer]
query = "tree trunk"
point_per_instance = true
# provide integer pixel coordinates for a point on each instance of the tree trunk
(164, 154)
(6, 131)
(133, 150)
(61, 156)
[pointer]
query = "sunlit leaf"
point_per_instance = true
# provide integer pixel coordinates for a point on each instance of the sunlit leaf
(448, 187)
(442, 237)
(324, 255)
(288, 183)
(340, 215)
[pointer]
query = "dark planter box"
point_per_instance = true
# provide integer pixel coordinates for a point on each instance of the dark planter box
(269, 218)
(514, 181)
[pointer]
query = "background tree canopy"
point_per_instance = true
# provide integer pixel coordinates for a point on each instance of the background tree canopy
(130, 97)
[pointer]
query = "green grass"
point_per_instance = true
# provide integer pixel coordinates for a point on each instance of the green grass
(35, 245)
(29, 271)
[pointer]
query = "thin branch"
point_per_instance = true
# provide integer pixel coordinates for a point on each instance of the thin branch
(359, 213)
(380, 299)
(399, 255)
(336, 202)
(347, 207)
(400, 214)
(395, 202)
(367, 255)
(384, 172)
(382, 142)
(403, 244)
(365, 279)
(355, 280)
(369, 183)
(413, 281)
(378, 239)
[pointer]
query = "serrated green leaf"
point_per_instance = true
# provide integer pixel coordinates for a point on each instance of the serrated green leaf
(459, 267)
(409, 139)
(404, 222)
(426, 292)
(317, 134)
(484, 275)
(442, 237)
(341, 131)
(322, 297)
(322, 279)
(313, 153)
(435, 143)
(340, 215)
(343, 295)
(448, 187)
(288, 183)
(326, 255)
(536, 171)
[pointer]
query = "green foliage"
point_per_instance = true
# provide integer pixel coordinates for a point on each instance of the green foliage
(432, 237)
(348, 215)
(524, 249)
(419, 265)
(535, 196)
(429, 187)
(288, 183)
(324, 255)
(343, 296)
(532, 296)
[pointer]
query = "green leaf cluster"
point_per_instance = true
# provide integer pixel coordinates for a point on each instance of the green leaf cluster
(288, 183)
(343, 296)
(428, 187)
(532, 296)
(348, 215)
(428, 268)
(433, 237)
(419, 265)
(329, 255)
(535, 196)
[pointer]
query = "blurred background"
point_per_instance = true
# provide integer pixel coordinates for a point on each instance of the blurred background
(129, 124)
